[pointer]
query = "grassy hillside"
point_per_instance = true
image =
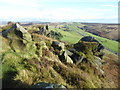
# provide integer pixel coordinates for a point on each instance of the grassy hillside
(73, 35)
(109, 31)
(29, 58)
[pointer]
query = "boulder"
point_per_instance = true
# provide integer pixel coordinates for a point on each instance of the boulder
(69, 53)
(65, 58)
(48, 85)
(58, 46)
(89, 45)
(88, 39)
(42, 29)
(98, 64)
(17, 31)
(20, 40)
(77, 57)
(92, 39)
(42, 46)
(55, 35)
(97, 60)
(88, 50)
(59, 49)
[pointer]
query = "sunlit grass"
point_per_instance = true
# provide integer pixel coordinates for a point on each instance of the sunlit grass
(72, 36)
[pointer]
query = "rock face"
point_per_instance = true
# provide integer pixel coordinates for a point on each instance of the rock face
(17, 30)
(20, 40)
(88, 49)
(92, 39)
(88, 39)
(65, 58)
(59, 49)
(89, 44)
(43, 30)
(48, 85)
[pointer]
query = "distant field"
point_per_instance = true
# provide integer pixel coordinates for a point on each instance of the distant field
(109, 31)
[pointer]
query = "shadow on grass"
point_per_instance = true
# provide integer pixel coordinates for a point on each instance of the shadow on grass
(9, 82)
(14, 84)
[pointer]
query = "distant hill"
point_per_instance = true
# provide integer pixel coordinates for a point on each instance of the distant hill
(109, 31)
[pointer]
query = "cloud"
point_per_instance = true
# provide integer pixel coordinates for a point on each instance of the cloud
(42, 10)
(57, 14)
(32, 2)
(113, 6)
(20, 2)
(80, 0)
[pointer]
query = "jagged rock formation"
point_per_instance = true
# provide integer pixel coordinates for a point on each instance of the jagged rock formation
(20, 40)
(87, 50)
(92, 39)
(88, 45)
(17, 30)
(60, 51)
(44, 30)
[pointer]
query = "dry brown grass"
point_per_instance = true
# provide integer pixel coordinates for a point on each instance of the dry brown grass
(42, 37)
(111, 68)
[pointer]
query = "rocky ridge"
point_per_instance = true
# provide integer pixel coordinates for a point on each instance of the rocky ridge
(32, 59)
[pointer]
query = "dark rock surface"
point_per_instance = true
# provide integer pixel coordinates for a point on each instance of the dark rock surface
(59, 49)
(48, 85)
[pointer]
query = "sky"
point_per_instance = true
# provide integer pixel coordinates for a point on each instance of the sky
(100, 11)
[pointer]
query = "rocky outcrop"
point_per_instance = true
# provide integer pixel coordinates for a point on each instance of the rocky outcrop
(59, 49)
(30, 60)
(43, 29)
(92, 39)
(88, 50)
(20, 40)
(18, 31)
(89, 45)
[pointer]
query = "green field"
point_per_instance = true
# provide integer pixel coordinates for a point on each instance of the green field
(74, 34)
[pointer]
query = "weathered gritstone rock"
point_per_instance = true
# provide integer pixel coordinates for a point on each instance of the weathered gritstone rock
(42, 47)
(42, 29)
(59, 49)
(48, 85)
(65, 58)
(26, 35)
(58, 46)
(98, 60)
(76, 56)
(89, 45)
(92, 39)
(69, 53)
(98, 64)
(89, 49)
(17, 30)
(20, 41)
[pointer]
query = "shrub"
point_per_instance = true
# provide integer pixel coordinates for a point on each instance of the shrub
(56, 35)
